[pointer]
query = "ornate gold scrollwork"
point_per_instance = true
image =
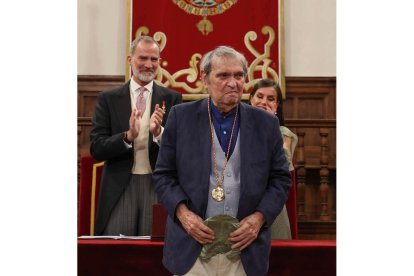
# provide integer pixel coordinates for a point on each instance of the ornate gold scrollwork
(262, 61)
(205, 26)
(260, 64)
(191, 73)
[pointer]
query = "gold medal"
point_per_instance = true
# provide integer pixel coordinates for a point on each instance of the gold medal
(218, 194)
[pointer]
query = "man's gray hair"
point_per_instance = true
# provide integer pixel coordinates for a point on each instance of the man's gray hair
(222, 51)
(144, 38)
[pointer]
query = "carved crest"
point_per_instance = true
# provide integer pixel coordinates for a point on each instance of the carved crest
(205, 8)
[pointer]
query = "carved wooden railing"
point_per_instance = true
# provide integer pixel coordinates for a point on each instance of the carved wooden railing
(300, 177)
(318, 208)
(324, 173)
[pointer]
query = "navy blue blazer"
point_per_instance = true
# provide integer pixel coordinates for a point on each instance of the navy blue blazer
(183, 169)
(110, 121)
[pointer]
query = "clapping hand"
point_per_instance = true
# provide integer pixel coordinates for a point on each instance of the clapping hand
(134, 125)
(156, 120)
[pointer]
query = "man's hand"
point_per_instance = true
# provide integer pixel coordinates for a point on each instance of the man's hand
(194, 225)
(156, 120)
(248, 231)
(134, 125)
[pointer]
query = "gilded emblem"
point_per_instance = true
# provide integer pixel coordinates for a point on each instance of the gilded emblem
(218, 194)
(205, 8)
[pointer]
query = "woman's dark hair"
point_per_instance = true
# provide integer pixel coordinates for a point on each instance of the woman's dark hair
(271, 83)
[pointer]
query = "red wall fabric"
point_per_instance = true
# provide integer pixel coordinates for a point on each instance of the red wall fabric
(85, 194)
(234, 19)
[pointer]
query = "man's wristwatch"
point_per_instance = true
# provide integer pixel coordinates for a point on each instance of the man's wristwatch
(126, 138)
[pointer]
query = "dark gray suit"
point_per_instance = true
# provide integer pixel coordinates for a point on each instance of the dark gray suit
(111, 120)
(182, 174)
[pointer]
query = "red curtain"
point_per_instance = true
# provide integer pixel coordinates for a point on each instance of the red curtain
(188, 29)
(89, 187)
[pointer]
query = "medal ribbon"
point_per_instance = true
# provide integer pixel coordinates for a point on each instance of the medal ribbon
(213, 146)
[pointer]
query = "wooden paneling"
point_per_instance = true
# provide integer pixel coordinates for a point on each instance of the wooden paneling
(317, 230)
(311, 104)
(310, 108)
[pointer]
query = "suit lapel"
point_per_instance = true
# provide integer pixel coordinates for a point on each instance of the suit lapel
(246, 139)
(156, 97)
(123, 106)
(204, 135)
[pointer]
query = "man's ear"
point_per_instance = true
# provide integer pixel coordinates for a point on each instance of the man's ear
(203, 76)
(129, 58)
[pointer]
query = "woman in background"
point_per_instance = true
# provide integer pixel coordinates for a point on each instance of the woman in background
(266, 94)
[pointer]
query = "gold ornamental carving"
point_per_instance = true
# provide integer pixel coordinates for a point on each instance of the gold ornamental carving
(259, 68)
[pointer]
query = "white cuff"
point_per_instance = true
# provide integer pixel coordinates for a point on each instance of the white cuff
(157, 139)
(128, 146)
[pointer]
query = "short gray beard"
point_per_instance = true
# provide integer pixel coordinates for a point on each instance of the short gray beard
(145, 78)
(142, 77)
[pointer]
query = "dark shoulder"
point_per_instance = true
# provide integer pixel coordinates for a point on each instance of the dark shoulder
(258, 115)
(194, 104)
(254, 111)
(165, 90)
(190, 106)
(115, 91)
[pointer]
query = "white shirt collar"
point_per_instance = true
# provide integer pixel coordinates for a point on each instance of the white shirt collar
(133, 86)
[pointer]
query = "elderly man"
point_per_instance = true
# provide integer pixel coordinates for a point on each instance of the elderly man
(218, 157)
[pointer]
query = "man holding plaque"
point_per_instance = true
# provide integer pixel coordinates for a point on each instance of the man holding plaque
(222, 176)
